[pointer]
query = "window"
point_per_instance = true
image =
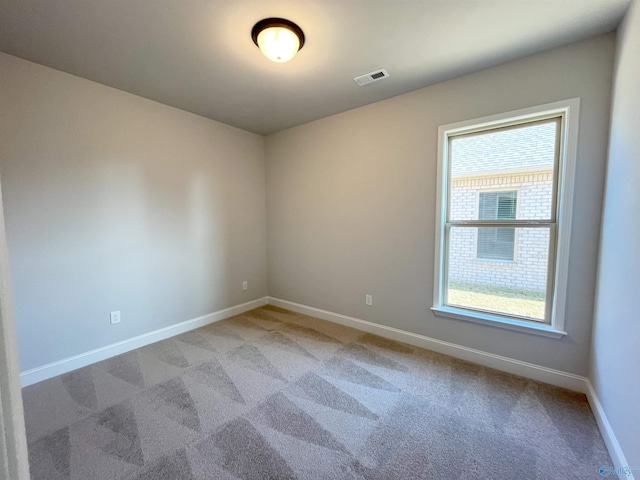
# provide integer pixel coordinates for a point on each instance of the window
(497, 243)
(502, 232)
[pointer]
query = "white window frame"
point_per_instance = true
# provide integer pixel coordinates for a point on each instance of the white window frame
(569, 111)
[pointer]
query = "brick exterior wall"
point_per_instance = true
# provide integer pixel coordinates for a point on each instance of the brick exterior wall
(528, 270)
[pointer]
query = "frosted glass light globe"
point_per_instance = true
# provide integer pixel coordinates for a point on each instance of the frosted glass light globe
(278, 44)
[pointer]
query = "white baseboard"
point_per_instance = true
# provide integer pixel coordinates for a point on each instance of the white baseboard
(505, 364)
(615, 451)
(38, 374)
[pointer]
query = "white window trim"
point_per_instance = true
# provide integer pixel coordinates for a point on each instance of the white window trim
(570, 109)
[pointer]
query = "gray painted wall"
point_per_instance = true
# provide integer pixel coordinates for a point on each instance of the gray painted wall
(351, 201)
(616, 353)
(114, 202)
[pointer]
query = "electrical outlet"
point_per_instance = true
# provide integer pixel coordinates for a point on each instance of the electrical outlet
(115, 317)
(368, 300)
(245, 285)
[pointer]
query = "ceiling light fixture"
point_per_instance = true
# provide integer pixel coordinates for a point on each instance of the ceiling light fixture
(278, 39)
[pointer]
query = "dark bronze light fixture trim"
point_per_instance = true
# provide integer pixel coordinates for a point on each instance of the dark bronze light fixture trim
(276, 22)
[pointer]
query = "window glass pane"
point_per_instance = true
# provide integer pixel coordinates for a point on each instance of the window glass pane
(517, 287)
(503, 174)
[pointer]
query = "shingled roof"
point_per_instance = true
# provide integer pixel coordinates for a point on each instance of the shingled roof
(531, 148)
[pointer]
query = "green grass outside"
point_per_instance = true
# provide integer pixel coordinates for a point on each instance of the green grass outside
(513, 301)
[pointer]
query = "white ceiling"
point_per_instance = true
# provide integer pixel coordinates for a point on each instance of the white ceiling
(198, 55)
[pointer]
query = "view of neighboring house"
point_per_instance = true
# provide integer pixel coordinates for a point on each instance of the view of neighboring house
(502, 175)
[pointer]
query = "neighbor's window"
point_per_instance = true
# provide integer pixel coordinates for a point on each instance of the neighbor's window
(503, 225)
(497, 243)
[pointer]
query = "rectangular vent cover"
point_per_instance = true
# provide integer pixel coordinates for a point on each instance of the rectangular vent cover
(371, 77)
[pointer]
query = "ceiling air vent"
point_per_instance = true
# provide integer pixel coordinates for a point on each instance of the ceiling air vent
(371, 77)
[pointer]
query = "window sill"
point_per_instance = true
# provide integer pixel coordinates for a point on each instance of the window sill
(541, 329)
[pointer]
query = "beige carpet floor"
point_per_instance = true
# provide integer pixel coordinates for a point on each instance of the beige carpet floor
(271, 394)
